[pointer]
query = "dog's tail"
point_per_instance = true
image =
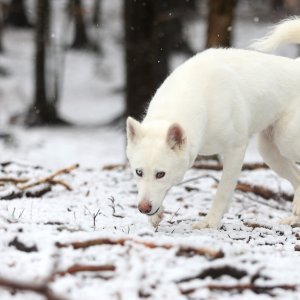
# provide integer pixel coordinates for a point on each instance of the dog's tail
(286, 32)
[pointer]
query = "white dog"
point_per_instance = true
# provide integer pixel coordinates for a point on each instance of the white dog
(214, 103)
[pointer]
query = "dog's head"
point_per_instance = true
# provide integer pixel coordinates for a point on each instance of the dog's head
(158, 158)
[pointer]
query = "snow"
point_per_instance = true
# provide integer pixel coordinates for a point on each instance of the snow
(93, 95)
(66, 216)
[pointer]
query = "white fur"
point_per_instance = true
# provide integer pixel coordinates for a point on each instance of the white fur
(220, 98)
(285, 32)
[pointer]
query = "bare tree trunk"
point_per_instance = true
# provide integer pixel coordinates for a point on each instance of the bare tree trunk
(97, 13)
(174, 12)
(220, 22)
(43, 111)
(153, 30)
(17, 14)
(81, 39)
(146, 55)
(277, 5)
(1, 26)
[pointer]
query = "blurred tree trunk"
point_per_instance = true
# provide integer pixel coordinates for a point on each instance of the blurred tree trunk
(81, 39)
(97, 13)
(43, 111)
(220, 22)
(174, 13)
(277, 5)
(146, 54)
(17, 14)
(153, 30)
(1, 26)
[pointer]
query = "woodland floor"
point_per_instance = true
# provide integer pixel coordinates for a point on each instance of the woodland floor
(90, 242)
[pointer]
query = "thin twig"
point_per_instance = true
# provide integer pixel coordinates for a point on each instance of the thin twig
(113, 207)
(93, 215)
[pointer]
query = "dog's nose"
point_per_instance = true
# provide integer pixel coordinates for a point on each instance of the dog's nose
(144, 206)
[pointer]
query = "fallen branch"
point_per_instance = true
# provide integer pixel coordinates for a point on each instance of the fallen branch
(49, 178)
(21, 246)
(38, 192)
(19, 163)
(219, 167)
(62, 183)
(85, 268)
(247, 188)
(202, 251)
(41, 289)
(262, 191)
(256, 225)
(10, 195)
(13, 180)
(33, 193)
(258, 289)
(216, 272)
(114, 167)
(297, 248)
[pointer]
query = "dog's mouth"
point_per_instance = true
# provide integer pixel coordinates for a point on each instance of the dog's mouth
(154, 212)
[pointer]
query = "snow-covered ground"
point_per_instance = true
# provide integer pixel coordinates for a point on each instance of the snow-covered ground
(258, 254)
(250, 252)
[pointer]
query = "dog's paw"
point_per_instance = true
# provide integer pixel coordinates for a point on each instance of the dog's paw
(291, 220)
(207, 223)
(156, 219)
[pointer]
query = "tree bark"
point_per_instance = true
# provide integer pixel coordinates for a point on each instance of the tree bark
(220, 22)
(17, 14)
(43, 111)
(146, 54)
(173, 13)
(97, 13)
(1, 27)
(153, 30)
(81, 39)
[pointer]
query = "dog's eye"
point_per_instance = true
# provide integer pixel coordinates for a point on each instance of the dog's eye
(139, 172)
(159, 175)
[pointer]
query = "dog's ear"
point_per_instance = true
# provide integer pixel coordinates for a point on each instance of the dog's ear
(133, 129)
(175, 137)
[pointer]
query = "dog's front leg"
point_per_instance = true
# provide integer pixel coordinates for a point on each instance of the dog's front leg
(233, 160)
